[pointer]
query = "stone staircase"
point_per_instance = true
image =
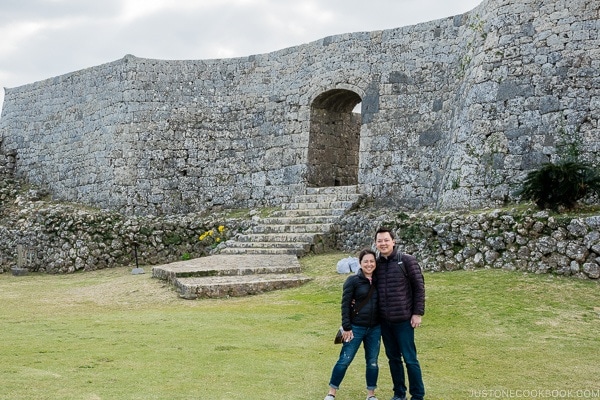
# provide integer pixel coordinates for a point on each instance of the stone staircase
(300, 227)
(265, 257)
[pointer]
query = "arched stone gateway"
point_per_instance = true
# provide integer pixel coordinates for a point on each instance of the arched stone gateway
(334, 139)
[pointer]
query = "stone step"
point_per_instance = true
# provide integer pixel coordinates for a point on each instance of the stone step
(326, 198)
(299, 249)
(326, 205)
(277, 245)
(276, 237)
(221, 265)
(299, 228)
(332, 189)
(227, 286)
(263, 250)
(307, 212)
(299, 220)
(284, 228)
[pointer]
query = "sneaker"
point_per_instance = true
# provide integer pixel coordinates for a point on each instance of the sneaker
(398, 398)
(371, 398)
(330, 397)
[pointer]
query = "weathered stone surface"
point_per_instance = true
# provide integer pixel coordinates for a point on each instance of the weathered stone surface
(42, 236)
(577, 228)
(428, 237)
(546, 245)
(592, 270)
(455, 112)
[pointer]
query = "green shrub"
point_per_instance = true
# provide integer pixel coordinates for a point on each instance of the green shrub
(560, 185)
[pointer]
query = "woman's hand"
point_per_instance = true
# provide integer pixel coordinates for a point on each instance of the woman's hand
(347, 336)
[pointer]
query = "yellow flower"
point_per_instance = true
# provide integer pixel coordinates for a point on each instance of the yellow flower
(221, 228)
(210, 233)
(218, 239)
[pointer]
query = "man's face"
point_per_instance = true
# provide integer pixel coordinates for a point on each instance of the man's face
(384, 243)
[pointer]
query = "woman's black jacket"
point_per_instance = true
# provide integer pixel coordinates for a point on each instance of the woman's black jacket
(357, 288)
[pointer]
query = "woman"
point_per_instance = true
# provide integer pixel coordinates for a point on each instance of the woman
(360, 324)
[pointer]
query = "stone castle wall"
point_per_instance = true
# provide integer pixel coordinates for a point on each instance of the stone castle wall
(454, 112)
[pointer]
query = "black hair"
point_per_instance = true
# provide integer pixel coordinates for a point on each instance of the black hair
(364, 252)
(384, 230)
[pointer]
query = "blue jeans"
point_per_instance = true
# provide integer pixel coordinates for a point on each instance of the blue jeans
(371, 337)
(399, 342)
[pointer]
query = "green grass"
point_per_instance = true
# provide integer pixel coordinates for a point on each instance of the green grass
(112, 335)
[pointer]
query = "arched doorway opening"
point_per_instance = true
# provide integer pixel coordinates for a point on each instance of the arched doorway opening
(334, 140)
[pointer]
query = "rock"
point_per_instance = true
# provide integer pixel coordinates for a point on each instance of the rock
(577, 228)
(17, 271)
(592, 270)
(546, 245)
(576, 252)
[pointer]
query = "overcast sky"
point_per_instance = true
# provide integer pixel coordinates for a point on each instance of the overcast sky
(41, 39)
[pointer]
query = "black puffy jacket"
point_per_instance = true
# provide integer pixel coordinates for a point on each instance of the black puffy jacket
(400, 296)
(356, 289)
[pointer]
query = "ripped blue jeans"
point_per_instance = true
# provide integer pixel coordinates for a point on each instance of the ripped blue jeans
(371, 339)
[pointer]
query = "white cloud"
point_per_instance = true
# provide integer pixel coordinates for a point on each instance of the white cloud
(45, 38)
(15, 33)
(133, 10)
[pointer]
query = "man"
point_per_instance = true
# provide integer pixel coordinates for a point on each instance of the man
(401, 305)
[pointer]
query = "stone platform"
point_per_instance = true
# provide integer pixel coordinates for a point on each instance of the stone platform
(232, 275)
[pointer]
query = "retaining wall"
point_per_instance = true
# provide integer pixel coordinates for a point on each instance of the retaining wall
(517, 239)
(41, 236)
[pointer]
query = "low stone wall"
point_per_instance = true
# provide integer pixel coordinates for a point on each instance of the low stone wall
(43, 236)
(511, 239)
(57, 238)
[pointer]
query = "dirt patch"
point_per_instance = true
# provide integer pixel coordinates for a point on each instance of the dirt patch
(119, 286)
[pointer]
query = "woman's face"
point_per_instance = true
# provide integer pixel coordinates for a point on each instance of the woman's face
(367, 264)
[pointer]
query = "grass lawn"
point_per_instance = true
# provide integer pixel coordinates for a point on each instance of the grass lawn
(112, 335)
